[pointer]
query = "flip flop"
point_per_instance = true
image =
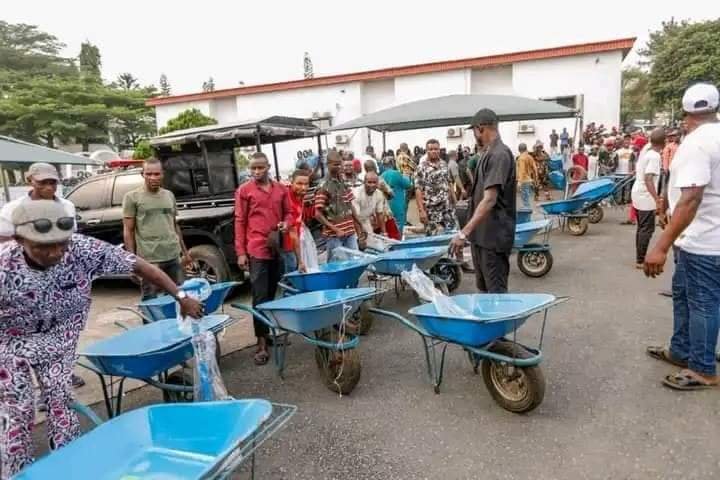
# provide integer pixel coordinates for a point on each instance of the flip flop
(662, 354)
(686, 381)
(261, 357)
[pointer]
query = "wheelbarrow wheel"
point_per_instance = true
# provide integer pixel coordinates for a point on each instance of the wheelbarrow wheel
(595, 214)
(179, 378)
(449, 271)
(577, 225)
(366, 318)
(340, 370)
(516, 389)
(535, 264)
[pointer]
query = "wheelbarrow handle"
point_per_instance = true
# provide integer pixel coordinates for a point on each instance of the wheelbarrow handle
(353, 342)
(400, 319)
(287, 288)
(256, 314)
(86, 412)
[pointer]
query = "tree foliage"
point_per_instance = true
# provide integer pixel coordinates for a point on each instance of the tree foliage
(23, 48)
(636, 101)
(142, 150)
(190, 118)
(165, 90)
(126, 81)
(679, 55)
(209, 85)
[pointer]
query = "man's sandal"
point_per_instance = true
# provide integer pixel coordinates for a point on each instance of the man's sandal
(686, 380)
(663, 354)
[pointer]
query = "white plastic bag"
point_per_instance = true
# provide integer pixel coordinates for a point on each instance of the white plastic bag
(208, 384)
(426, 290)
(200, 290)
(308, 249)
(379, 243)
(341, 254)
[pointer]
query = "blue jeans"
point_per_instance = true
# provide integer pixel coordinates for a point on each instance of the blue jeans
(332, 243)
(696, 310)
(526, 193)
(289, 262)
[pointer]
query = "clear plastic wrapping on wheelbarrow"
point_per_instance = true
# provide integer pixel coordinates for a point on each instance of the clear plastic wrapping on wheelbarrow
(341, 254)
(379, 243)
(308, 250)
(426, 290)
(208, 384)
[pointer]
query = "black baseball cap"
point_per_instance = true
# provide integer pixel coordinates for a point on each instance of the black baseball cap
(483, 117)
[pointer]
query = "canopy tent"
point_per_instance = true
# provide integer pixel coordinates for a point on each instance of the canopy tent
(453, 110)
(246, 133)
(14, 151)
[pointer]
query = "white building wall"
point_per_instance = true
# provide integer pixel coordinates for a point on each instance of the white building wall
(224, 110)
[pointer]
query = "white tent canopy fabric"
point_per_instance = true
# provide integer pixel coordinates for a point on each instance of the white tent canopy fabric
(454, 110)
(18, 151)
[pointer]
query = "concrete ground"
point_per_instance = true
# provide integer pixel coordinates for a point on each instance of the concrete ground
(605, 413)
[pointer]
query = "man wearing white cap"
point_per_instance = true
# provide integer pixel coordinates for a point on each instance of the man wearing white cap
(46, 275)
(694, 234)
(44, 180)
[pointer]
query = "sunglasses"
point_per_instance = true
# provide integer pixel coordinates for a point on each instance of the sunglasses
(44, 225)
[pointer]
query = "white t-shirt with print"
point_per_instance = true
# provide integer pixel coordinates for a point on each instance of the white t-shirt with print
(649, 164)
(7, 229)
(697, 163)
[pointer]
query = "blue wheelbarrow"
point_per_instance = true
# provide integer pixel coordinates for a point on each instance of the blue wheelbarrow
(533, 259)
(569, 212)
(510, 370)
(179, 442)
(147, 353)
(332, 276)
(319, 317)
(447, 269)
(601, 189)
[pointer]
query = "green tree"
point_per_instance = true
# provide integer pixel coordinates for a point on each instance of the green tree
(636, 101)
(188, 119)
(209, 85)
(23, 48)
(142, 150)
(680, 54)
(90, 61)
(164, 86)
(127, 81)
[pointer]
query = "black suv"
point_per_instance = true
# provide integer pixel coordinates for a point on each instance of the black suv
(203, 168)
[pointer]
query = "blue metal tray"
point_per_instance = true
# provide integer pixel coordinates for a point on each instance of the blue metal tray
(330, 276)
(492, 316)
(169, 442)
(442, 240)
(595, 190)
(559, 207)
(397, 261)
(524, 232)
(165, 306)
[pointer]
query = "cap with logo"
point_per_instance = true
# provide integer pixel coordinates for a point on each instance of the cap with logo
(42, 221)
(701, 98)
(483, 117)
(43, 171)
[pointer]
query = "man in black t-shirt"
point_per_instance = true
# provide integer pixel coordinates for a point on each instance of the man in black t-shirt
(491, 227)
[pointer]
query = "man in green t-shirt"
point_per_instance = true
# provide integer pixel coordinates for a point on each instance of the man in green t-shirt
(150, 229)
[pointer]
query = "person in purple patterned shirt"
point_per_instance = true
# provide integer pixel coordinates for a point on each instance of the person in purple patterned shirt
(46, 275)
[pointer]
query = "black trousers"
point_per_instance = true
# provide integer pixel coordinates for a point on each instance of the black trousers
(264, 278)
(491, 269)
(645, 230)
(173, 269)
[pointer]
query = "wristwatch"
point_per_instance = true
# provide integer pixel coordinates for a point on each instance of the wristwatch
(462, 236)
(182, 294)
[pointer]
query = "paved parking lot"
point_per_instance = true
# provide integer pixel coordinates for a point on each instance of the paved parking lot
(605, 414)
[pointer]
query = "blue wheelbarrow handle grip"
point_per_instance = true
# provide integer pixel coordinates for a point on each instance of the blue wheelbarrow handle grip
(401, 319)
(256, 314)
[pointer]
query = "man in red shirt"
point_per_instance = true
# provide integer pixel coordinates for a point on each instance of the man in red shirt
(262, 209)
(579, 160)
(292, 256)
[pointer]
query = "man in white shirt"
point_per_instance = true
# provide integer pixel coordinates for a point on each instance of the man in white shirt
(694, 230)
(644, 193)
(370, 204)
(44, 180)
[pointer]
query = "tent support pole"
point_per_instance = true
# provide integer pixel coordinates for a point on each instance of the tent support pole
(258, 146)
(384, 144)
(277, 168)
(6, 187)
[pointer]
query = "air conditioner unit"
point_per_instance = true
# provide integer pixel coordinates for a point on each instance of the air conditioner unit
(526, 128)
(342, 139)
(454, 132)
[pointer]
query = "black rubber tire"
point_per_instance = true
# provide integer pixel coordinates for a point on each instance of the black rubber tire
(212, 263)
(330, 362)
(532, 385)
(595, 214)
(577, 225)
(366, 318)
(535, 264)
(450, 271)
(179, 377)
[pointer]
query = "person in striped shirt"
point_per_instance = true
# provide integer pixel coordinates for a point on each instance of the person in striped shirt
(334, 209)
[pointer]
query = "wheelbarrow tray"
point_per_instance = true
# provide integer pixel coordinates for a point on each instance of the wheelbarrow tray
(311, 311)
(330, 276)
(595, 190)
(523, 215)
(398, 261)
(524, 232)
(171, 441)
(492, 316)
(442, 240)
(560, 207)
(148, 350)
(165, 306)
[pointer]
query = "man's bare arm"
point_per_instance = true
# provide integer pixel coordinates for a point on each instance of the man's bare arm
(683, 215)
(129, 234)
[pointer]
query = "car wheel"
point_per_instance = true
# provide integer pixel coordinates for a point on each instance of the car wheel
(210, 264)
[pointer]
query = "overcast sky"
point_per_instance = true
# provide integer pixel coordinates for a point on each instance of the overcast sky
(264, 41)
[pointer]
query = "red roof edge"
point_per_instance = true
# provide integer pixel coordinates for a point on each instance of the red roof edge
(623, 44)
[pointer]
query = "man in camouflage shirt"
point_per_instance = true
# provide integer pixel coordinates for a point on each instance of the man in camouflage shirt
(434, 196)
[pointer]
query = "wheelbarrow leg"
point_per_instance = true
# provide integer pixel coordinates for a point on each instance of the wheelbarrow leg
(118, 400)
(279, 352)
(435, 371)
(106, 395)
